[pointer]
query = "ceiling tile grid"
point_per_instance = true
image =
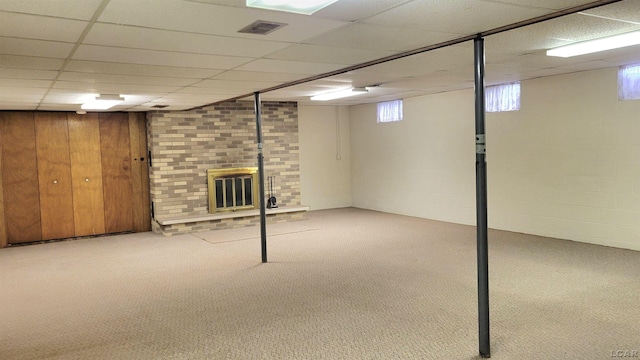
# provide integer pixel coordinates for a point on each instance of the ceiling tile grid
(188, 53)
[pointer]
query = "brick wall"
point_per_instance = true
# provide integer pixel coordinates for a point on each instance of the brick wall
(185, 144)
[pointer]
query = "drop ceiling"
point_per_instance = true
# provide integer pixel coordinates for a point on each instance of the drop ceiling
(188, 53)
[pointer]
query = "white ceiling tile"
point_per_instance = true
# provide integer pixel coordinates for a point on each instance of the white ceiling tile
(22, 105)
(293, 67)
(510, 70)
(212, 19)
(27, 83)
(99, 88)
(252, 75)
(124, 79)
(236, 3)
(28, 47)
(352, 10)
(533, 61)
(58, 107)
(204, 90)
(624, 58)
(373, 37)
(439, 78)
(72, 97)
(589, 65)
(580, 27)
(152, 39)
(542, 73)
(462, 17)
(137, 69)
(544, 4)
(27, 74)
(75, 107)
(30, 98)
(182, 97)
(232, 84)
(30, 62)
(426, 63)
(327, 54)
(359, 78)
(152, 57)
(627, 10)
(8, 90)
(553, 33)
(40, 27)
(73, 9)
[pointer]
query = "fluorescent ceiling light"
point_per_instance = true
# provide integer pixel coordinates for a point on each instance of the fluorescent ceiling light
(591, 46)
(102, 102)
(306, 7)
(340, 94)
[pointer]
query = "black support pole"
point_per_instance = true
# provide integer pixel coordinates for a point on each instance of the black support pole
(263, 211)
(481, 202)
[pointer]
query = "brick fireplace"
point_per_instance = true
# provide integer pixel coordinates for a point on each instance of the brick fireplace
(184, 145)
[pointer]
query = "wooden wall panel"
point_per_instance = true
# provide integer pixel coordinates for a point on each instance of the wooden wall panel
(54, 175)
(140, 172)
(20, 177)
(86, 174)
(3, 230)
(115, 146)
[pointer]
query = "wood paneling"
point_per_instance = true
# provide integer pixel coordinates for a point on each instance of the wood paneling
(54, 175)
(86, 174)
(140, 172)
(115, 146)
(20, 177)
(3, 230)
(65, 175)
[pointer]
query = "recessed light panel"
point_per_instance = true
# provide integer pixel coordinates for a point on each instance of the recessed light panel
(306, 7)
(102, 102)
(596, 45)
(339, 94)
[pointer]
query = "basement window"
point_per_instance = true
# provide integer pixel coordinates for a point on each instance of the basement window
(629, 82)
(390, 111)
(503, 97)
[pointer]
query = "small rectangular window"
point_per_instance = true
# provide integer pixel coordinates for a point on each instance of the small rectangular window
(503, 97)
(629, 82)
(389, 111)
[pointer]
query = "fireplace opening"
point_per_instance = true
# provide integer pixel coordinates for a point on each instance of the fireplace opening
(232, 189)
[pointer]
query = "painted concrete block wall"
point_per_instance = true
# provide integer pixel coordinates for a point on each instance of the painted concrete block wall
(567, 165)
(325, 156)
(422, 166)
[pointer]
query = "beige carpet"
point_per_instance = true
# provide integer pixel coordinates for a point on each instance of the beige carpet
(344, 284)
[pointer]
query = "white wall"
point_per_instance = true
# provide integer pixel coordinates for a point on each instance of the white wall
(421, 166)
(566, 165)
(325, 156)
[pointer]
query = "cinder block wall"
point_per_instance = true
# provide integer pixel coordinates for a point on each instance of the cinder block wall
(184, 144)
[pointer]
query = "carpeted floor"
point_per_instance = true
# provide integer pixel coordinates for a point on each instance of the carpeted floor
(344, 284)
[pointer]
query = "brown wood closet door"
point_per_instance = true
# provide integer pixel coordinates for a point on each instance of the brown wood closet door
(54, 175)
(116, 172)
(20, 177)
(140, 172)
(86, 174)
(3, 229)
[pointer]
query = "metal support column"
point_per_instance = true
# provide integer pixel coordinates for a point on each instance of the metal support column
(263, 211)
(481, 202)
